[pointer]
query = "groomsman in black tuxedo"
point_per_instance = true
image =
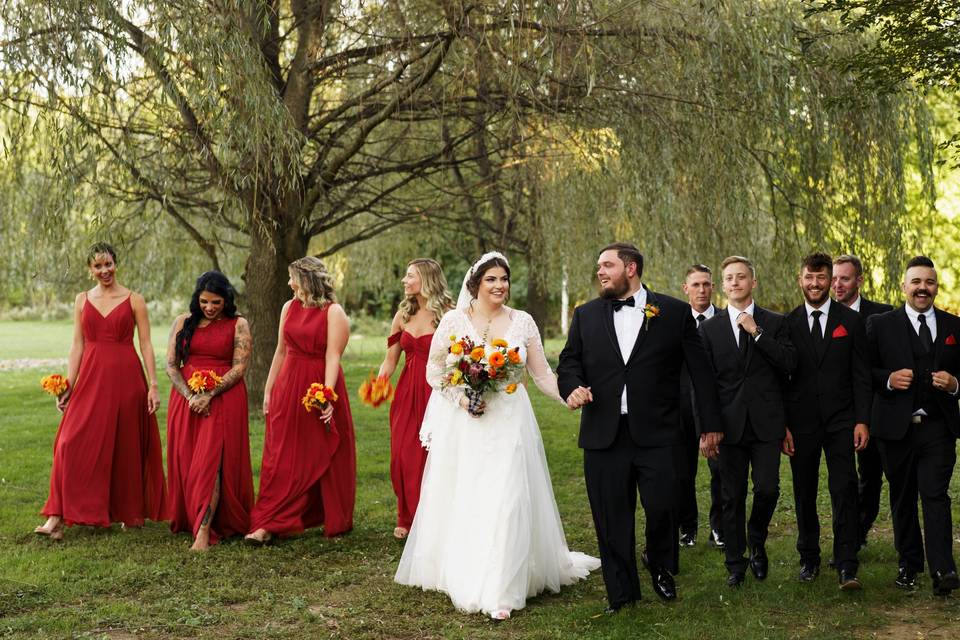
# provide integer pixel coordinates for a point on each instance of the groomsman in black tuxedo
(847, 280)
(828, 402)
(916, 421)
(752, 355)
(621, 364)
(698, 287)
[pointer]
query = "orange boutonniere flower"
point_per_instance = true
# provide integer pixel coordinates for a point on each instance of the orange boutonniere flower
(203, 381)
(477, 354)
(54, 384)
(496, 359)
(650, 311)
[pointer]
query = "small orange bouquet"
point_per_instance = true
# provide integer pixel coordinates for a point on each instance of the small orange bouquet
(54, 384)
(317, 397)
(203, 381)
(376, 390)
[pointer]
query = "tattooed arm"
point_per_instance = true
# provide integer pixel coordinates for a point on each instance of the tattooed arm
(173, 368)
(242, 346)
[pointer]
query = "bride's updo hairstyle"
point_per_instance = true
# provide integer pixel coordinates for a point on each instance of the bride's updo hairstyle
(473, 282)
(313, 280)
(433, 287)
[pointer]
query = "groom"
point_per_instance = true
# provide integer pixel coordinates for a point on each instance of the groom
(622, 364)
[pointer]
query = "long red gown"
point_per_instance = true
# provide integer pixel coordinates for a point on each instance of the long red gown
(309, 471)
(199, 446)
(407, 455)
(107, 460)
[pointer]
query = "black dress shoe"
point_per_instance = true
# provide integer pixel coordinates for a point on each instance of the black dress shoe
(735, 579)
(849, 581)
(716, 538)
(809, 571)
(906, 578)
(663, 584)
(944, 582)
(688, 539)
(759, 564)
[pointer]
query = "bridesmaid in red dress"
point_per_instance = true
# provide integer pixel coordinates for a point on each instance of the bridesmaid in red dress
(309, 473)
(208, 442)
(107, 461)
(426, 299)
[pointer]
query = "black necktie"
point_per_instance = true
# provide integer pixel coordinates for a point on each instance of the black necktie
(700, 318)
(926, 339)
(744, 341)
(816, 331)
(620, 304)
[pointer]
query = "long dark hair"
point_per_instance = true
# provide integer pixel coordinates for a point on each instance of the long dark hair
(217, 284)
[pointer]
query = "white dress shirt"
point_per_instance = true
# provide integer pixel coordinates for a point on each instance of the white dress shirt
(855, 305)
(627, 323)
(707, 313)
(734, 313)
(931, 319)
(825, 308)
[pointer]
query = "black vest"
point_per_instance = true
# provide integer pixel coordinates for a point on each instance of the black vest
(923, 394)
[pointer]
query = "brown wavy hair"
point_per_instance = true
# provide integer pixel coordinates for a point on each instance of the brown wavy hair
(314, 281)
(433, 287)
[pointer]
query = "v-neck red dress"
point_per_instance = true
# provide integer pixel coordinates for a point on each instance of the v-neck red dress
(107, 460)
(201, 447)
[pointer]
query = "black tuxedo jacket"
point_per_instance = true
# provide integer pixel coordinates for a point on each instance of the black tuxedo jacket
(870, 308)
(591, 358)
(889, 346)
(751, 387)
(830, 388)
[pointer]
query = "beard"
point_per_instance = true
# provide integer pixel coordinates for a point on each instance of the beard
(823, 297)
(618, 288)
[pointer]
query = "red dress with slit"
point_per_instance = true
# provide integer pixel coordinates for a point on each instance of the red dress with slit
(107, 460)
(309, 472)
(407, 455)
(199, 447)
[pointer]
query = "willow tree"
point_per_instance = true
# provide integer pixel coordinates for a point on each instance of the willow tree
(268, 123)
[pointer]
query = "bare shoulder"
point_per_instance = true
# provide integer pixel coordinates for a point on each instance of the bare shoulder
(137, 300)
(179, 320)
(336, 311)
(242, 325)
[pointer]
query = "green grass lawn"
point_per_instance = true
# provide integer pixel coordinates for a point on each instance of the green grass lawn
(145, 584)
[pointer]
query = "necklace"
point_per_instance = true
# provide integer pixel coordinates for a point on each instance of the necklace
(486, 331)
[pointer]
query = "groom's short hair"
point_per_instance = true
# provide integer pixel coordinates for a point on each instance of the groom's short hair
(627, 253)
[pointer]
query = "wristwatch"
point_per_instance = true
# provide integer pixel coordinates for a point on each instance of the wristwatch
(756, 334)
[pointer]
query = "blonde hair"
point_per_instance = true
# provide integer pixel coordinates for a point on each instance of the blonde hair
(433, 287)
(738, 259)
(313, 280)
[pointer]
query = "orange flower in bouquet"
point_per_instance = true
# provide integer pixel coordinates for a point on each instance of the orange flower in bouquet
(374, 391)
(203, 381)
(54, 384)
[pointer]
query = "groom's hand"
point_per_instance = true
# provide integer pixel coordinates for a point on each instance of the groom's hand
(579, 397)
(710, 444)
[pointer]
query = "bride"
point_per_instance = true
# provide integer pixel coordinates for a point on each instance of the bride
(487, 531)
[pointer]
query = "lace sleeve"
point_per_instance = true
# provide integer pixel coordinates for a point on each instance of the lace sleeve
(438, 355)
(537, 365)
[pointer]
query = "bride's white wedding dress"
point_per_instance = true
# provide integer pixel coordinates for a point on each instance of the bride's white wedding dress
(487, 531)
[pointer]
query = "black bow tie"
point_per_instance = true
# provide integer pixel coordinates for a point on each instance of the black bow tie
(620, 304)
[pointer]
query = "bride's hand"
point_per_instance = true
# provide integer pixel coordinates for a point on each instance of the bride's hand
(465, 404)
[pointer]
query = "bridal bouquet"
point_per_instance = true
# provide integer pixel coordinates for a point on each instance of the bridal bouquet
(203, 381)
(479, 368)
(54, 384)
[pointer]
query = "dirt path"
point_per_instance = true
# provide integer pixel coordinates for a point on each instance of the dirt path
(16, 364)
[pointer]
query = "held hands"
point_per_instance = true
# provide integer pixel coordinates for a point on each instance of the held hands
(710, 444)
(901, 379)
(861, 436)
(200, 403)
(579, 397)
(943, 381)
(746, 321)
(787, 445)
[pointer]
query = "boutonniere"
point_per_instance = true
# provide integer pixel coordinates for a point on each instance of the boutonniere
(650, 311)
(950, 341)
(840, 332)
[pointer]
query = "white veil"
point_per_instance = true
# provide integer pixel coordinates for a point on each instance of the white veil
(464, 299)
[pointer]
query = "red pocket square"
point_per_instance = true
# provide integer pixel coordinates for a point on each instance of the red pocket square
(840, 332)
(950, 340)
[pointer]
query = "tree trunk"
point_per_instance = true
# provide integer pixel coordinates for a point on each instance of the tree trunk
(271, 251)
(538, 299)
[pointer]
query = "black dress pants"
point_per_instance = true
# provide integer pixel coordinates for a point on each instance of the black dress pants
(736, 462)
(614, 476)
(837, 447)
(921, 464)
(871, 481)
